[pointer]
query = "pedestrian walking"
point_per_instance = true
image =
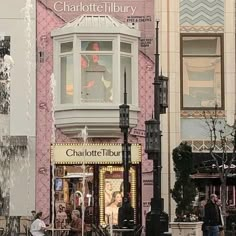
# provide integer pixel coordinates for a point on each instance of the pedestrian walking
(212, 218)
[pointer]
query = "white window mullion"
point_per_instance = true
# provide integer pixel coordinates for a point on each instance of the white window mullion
(116, 68)
(57, 71)
(135, 74)
(76, 70)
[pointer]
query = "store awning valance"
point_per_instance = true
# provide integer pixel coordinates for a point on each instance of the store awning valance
(92, 153)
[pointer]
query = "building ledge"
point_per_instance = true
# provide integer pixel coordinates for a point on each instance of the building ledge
(100, 122)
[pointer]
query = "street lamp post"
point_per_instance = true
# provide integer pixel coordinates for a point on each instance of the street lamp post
(126, 212)
(156, 219)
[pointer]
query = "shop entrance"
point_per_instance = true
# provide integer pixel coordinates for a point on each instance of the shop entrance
(90, 177)
(73, 190)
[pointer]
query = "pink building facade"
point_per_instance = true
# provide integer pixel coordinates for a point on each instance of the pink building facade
(48, 133)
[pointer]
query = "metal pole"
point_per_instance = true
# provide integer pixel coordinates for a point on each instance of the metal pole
(126, 168)
(157, 160)
(126, 212)
(154, 224)
(125, 152)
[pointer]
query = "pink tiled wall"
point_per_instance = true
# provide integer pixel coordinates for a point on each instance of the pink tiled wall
(46, 22)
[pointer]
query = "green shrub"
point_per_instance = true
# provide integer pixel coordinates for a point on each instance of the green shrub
(184, 191)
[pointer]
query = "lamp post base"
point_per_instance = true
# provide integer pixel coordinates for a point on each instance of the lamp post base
(126, 216)
(156, 220)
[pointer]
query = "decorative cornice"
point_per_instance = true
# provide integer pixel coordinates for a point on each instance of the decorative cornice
(200, 113)
(201, 29)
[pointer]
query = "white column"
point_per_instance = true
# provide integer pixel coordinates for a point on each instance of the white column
(229, 60)
(167, 12)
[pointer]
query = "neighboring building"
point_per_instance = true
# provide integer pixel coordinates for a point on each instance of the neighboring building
(197, 49)
(17, 108)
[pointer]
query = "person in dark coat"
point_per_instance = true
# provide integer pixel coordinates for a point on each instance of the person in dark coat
(212, 217)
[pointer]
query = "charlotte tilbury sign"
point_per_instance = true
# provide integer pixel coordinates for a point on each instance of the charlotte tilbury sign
(106, 7)
(92, 153)
(135, 13)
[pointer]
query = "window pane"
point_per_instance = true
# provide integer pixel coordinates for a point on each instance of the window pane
(67, 86)
(197, 129)
(96, 78)
(201, 46)
(125, 47)
(202, 82)
(96, 45)
(230, 193)
(66, 47)
(125, 65)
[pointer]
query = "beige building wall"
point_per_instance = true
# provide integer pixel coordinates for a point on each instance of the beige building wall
(168, 13)
(229, 60)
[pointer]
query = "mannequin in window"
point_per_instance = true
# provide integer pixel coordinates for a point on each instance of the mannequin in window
(97, 81)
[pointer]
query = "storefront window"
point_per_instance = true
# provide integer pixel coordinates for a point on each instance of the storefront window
(231, 195)
(112, 192)
(69, 194)
(202, 72)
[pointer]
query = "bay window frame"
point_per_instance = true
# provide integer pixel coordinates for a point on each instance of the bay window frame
(116, 57)
(101, 118)
(98, 38)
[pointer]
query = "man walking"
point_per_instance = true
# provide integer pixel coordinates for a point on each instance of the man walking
(212, 216)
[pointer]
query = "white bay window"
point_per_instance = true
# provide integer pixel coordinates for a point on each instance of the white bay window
(89, 70)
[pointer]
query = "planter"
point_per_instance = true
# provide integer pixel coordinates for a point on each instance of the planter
(186, 228)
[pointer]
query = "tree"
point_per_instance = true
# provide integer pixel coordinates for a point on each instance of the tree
(222, 149)
(184, 191)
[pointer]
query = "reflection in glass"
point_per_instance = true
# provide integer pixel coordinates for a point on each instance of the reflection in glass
(96, 78)
(96, 45)
(67, 86)
(201, 46)
(70, 194)
(125, 64)
(125, 47)
(111, 192)
(66, 47)
(201, 81)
